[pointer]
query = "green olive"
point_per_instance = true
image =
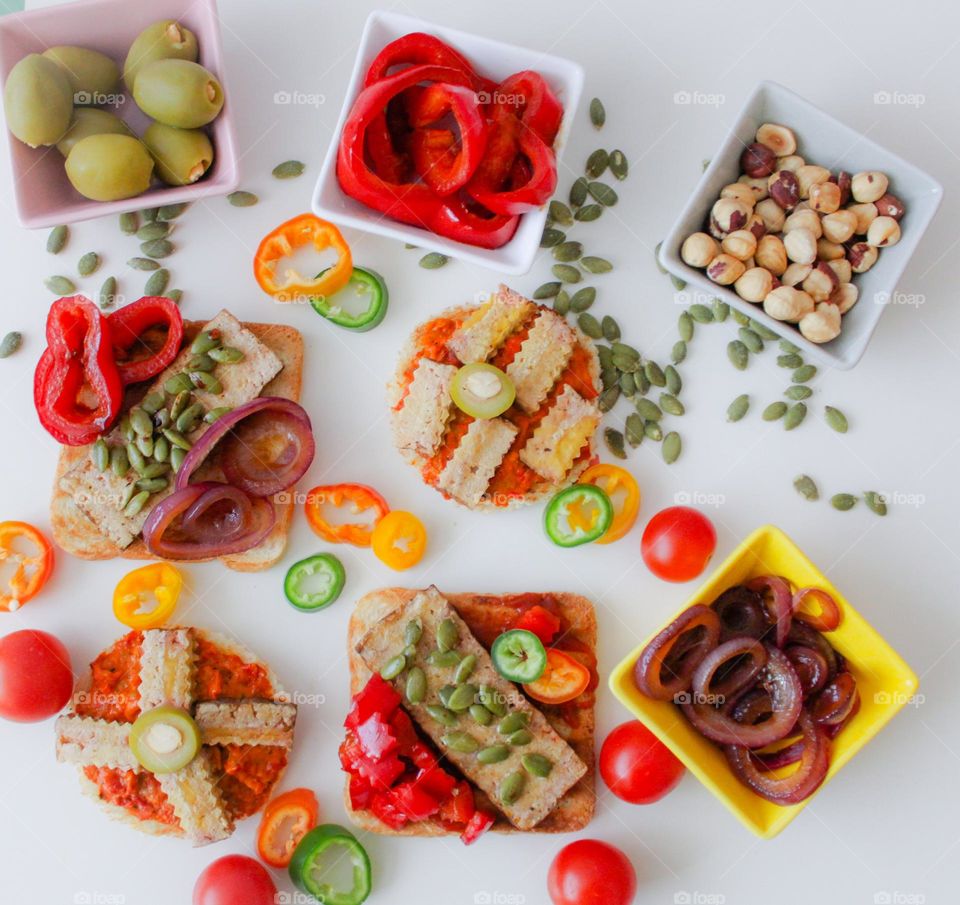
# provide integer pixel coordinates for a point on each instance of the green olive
(92, 75)
(38, 101)
(182, 156)
(165, 739)
(178, 93)
(165, 40)
(91, 121)
(482, 390)
(109, 167)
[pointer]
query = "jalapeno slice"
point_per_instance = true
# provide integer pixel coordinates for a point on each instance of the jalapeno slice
(165, 739)
(482, 390)
(363, 285)
(519, 655)
(578, 515)
(315, 582)
(321, 855)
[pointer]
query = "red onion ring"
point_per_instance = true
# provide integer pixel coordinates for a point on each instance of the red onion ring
(800, 784)
(808, 636)
(287, 468)
(752, 707)
(829, 616)
(694, 633)
(836, 728)
(777, 601)
(741, 613)
(206, 529)
(744, 659)
(768, 761)
(834, 704)
(810, 666)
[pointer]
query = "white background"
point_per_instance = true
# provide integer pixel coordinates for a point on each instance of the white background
(885, 828)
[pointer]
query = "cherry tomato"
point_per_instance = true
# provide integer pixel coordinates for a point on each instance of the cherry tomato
(36, 680)
(637, 766)
(591, 872)
(678, 543)
(235, 880)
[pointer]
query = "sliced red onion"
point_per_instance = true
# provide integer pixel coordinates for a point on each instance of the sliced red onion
(810, 666)
(801, 633)
(778, 602)
(829, 616)
(751, 707)
(250, 470)
(665, 668)
(767, 761)
(741, 613)
(728, 669)
(834, 729)
(834, 704)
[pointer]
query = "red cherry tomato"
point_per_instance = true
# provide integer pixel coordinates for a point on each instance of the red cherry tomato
(235, 880)
(637, 766)
(36, 680)
(678, 543)
(591, 872)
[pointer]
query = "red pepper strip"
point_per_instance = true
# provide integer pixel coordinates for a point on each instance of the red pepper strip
(529, 97)
(127, 326)
(78, 362)
(438, 160)
(388, 161)
(541, 622)
(416, 48)
(529, 195)
(458, 806)
(479, 823)
(457, 220)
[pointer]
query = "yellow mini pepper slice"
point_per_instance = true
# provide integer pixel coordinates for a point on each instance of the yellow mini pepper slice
(399, 540)
(160, 582)
(624, 492)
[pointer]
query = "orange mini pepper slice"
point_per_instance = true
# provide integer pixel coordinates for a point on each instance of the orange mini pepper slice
(626, 502)
(359, 497)
(159, 582)
(563, 680)
(33, 564)
(399, 540)
(296, 233)
(286, 820)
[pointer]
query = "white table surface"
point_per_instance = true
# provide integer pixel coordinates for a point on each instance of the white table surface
(885, 830)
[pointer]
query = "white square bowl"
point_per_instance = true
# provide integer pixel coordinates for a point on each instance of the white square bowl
(44, 195)
(491, 58)
(825, 141)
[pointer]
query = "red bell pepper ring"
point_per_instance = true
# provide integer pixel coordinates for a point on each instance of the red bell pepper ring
(417, 49)
(77, 367)
(455, 219)
(528, 196)
(127, 327)
(529, 97)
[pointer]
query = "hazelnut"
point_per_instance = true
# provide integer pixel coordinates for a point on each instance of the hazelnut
(865, 214)
(841, 267)
(726, 216)
(699, 250)
(883, 232)
(843, 180)
(784, 189)
(811, 175)
(787, 304)
(803, 219)
(829, 251)
(845, 296)
(772, 255)
(725, 269)
(772, 215)
(757, 160)
(801, 245)
(890, 206)
(739, 192)
(821, 282)
(822, 324)
(795, 274)
(755, 284)
(757, 186)
(778, 139)
(825, 197)
(839, 226)
(862, 256)
(868, 186)
(791, 162)
(741, 244)
(756, 225)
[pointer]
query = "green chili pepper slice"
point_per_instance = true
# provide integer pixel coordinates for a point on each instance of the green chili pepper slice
(323, 853)
(578, 515)
(324, 572)
(519, 655)
(365, 284)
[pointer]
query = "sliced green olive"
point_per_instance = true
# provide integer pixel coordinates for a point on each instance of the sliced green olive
(165, 739)
(482, 391)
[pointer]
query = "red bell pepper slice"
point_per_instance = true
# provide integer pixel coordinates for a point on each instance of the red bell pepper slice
(457, 220)
(377, 696)
(458, 807)
(360, 791)
(376, 737)
(541, 622)
(414, 802)
(386, 809)
(286, 820)
(77, 367)
(403, 731)
(529, 195)
(127, 328)
(436, 782)
(416, 48)
(529, 97)
(478, 825)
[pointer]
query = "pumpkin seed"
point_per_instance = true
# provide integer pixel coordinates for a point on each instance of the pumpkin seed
(593, 264)
(433, 260)
(806, 487)
(441, 714)
(610, 328)
(537, 765)
(480, 714)
(161, 450)
(129, 222)
(598, 115)
(590, 325)
(546, 290)
(628, 385)
(100, 455)
(561, 303)
(568, 251)
(204, 381)
(465, 669)
(608, 398)
(179, 383)
(588, 213)
(171, 211)
(416, 687)
(654, 374)
(738, 354)
(674, 383)
(648, 410)
(445, 693)
(157, 282)
(738, 408)
(751, 340)
(177, 456)
(413, 632)
(443, 659)
(566, 273)
(721, 310)
(462, 742)
(794, 417)
(141, 422)
(671, 405)
(603, 193)
(511, 788)
(740, 318)
(201, 362)
(448, 635)
(634, 429)
(614, 441)
(701, 314)
(797, 392)
(145, 447)
(625, 350)
(685, 326)
(289, 169)
(656, 258)
(125, 430)
(108, 293)
(679, 352)
(790, 360)
(150, 214)
(774, 411)
(59, 285)
(190, 418)
(128, 491)
(495, 754)
(619, 165)
(551, 237)
(152, 485)
(177, 439)
(155, 230)
(88, 263)
(653, 431)
(787, 346)
(605, 354)
(835, 419)
(136, 504)
(216, 414)
(393, 667)
(461, 697)
(622, 363)
(582, 299)
(204, 342)
(513, 722)
(119, 463)
(804, 374)
(180, 403)
(558, 212)
(875, 502)
(142, 264)
(10, 343)
(764, 332)
(241, 198)
(578, 192)
(492, 700)
(597, 162)
(678, 284)
(843, 501)
(157, 248)
(162, 419)
(671, 447)
(57, 239)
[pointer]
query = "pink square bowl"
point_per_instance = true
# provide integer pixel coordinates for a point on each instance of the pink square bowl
(44, 196)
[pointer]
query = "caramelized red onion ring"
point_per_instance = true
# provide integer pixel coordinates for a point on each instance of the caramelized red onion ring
(806, 635)
(810, 666)
(778, 602)
(835, 703)
(665, 668)
(741, 613)
(728, 669)
(207, 520)
(829, 616)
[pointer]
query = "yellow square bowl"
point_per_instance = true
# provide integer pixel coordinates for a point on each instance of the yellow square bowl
(885, 682)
